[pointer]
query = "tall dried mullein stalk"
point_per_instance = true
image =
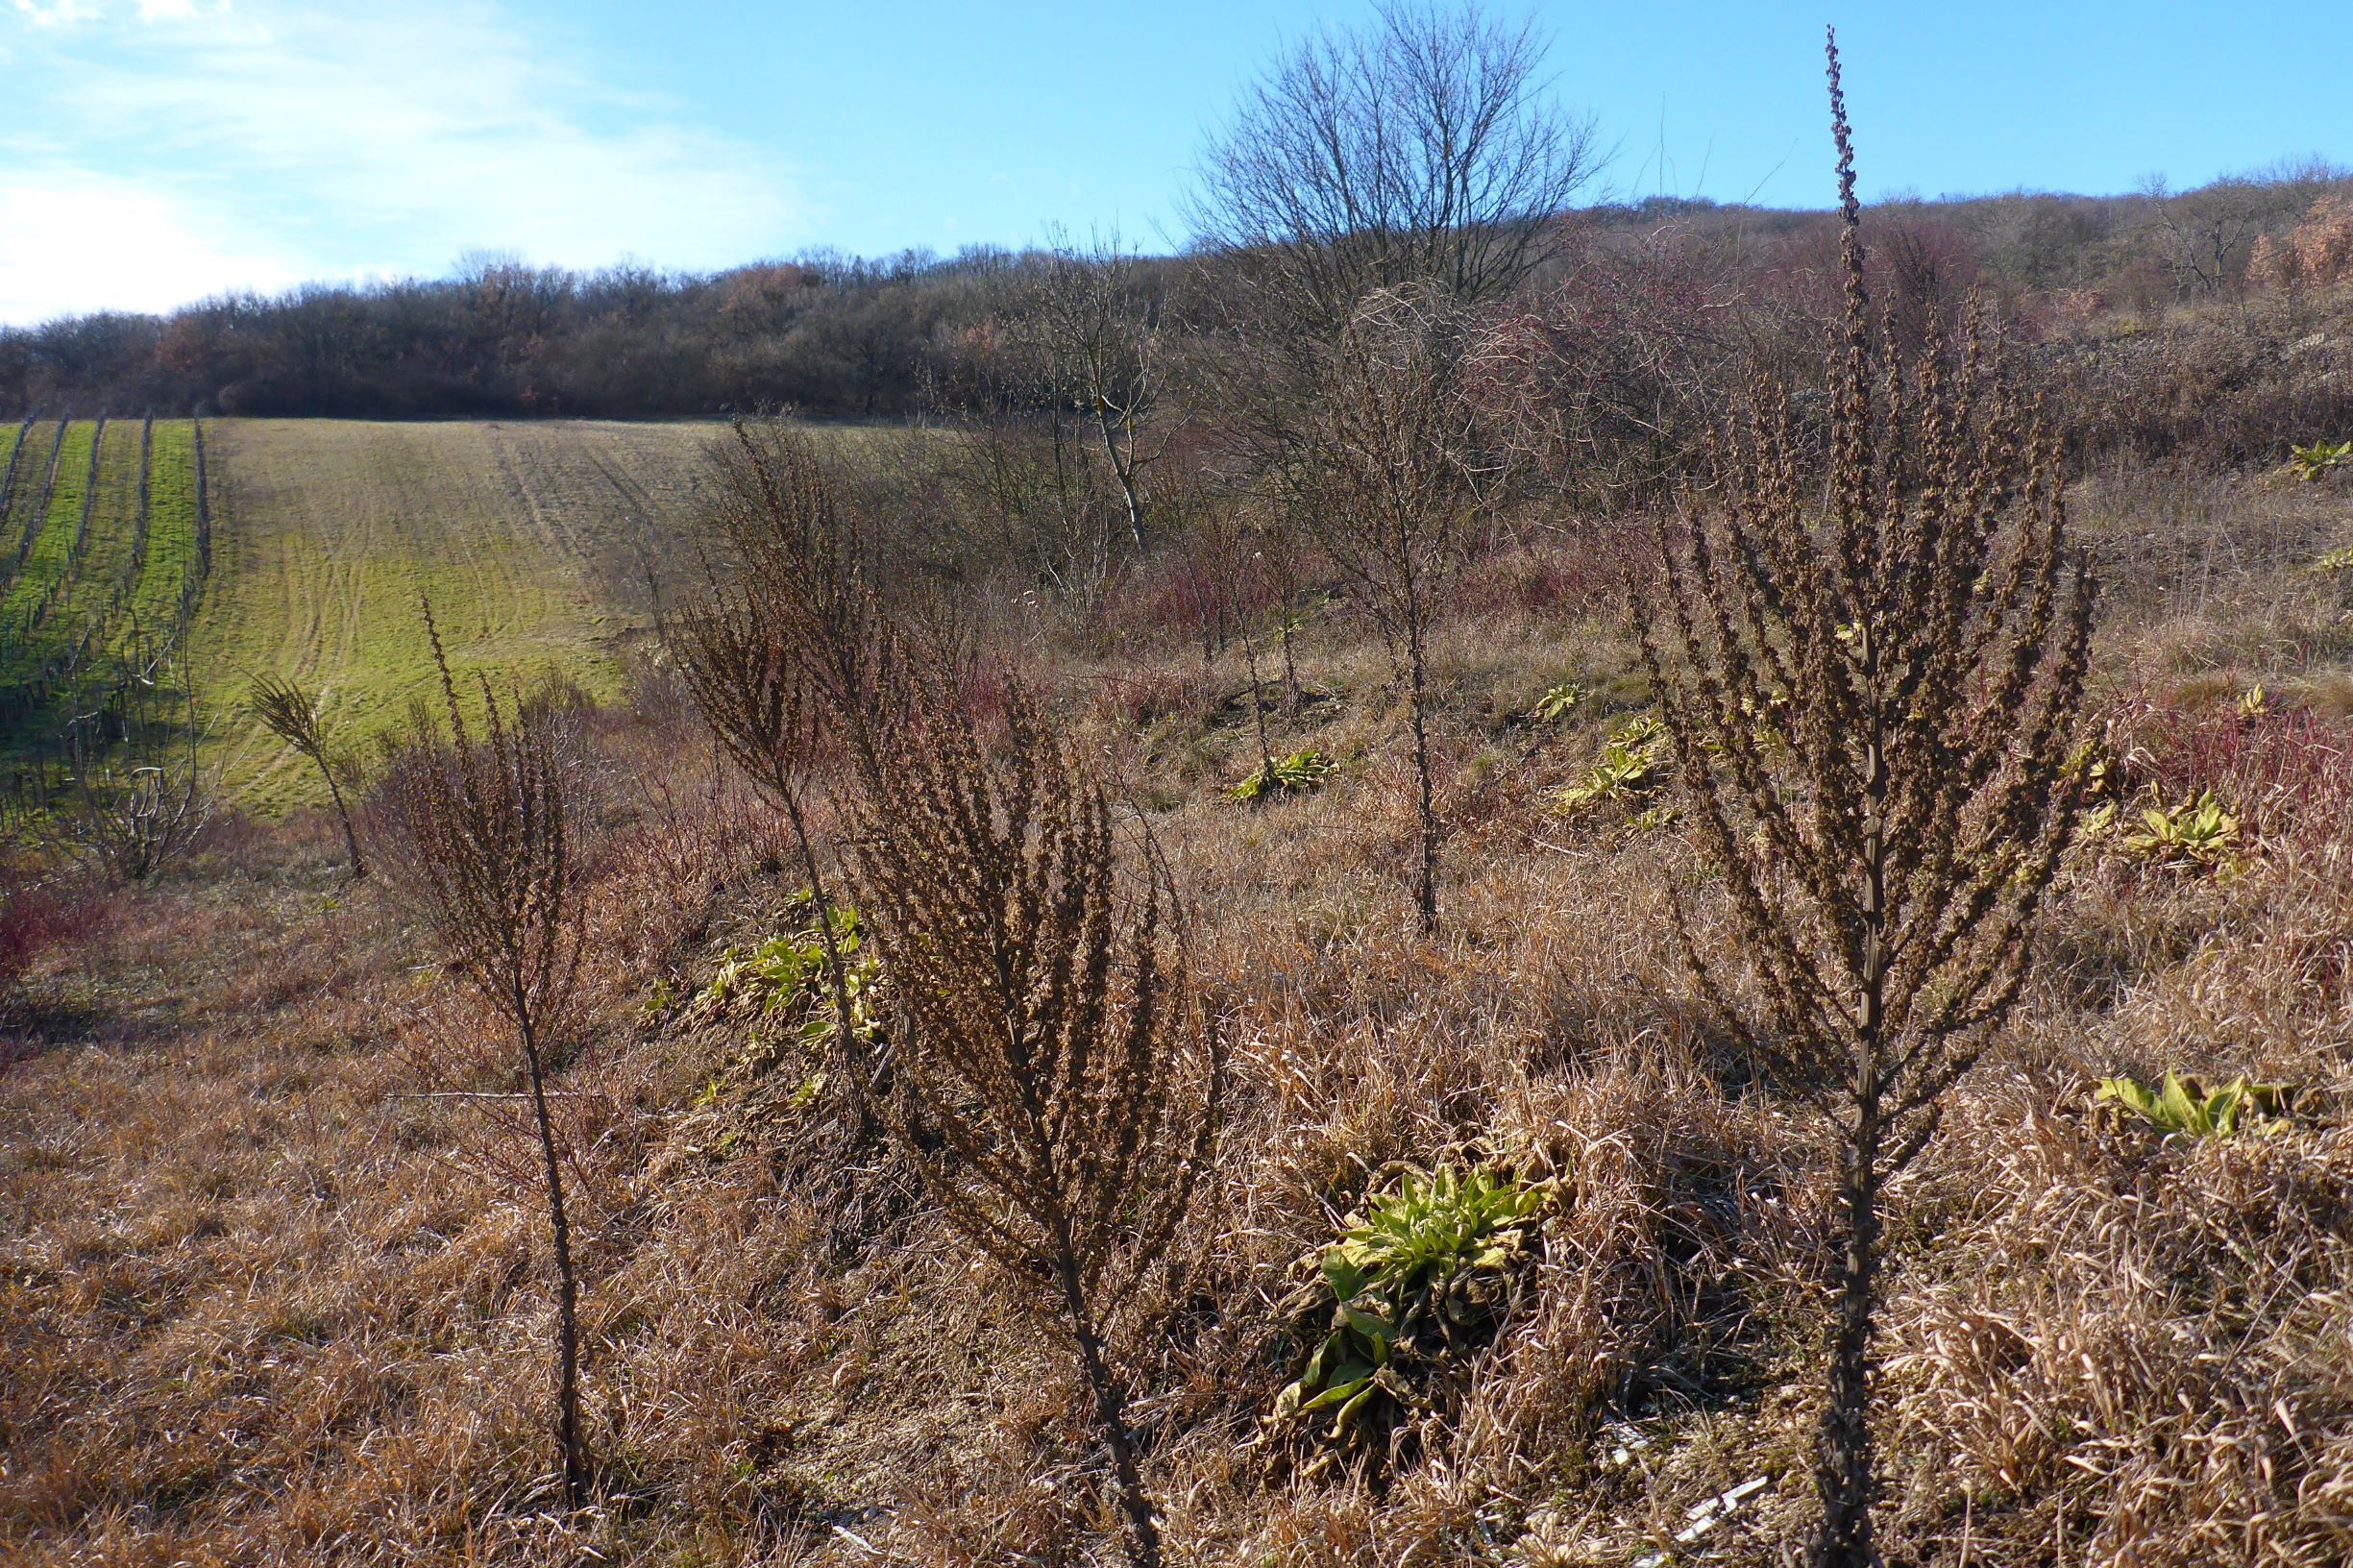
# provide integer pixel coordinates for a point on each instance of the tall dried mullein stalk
(482, 831)
(1871, 677)
(757, 698)
(801, 554)
(792, 654)
(1054, 1083)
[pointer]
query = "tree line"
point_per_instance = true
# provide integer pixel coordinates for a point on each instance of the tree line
(838, 335)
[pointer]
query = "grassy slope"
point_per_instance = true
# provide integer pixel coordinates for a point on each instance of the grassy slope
(260, 1301)
(327, 534)
(8, 443)
(113, 527)
(171, 539)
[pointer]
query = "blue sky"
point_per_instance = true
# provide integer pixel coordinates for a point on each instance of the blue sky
(155, 151)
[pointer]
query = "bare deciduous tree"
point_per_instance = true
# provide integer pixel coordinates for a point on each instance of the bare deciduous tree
(1385, 473)
(482, 838)
(2203, 233)
(1027, 474)
(1871, 689)
(1094, 331)
(1423, 152)
(288, 712)
(1055, 1085)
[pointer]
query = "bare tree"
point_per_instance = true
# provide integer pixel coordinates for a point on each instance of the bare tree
(1423, 159)
(483, 839)
(1027, 472)
(2204, 234)
(288, 712)
(1423, 151)
(1094, 331)
(1385, 473)
(1872, 687)
(1055, 1083)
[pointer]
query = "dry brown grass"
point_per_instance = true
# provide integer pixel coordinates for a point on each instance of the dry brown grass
(260, 1304)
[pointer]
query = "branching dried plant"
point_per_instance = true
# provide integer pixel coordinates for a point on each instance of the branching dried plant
(1872, 690)
(803, 561)
(1386, 475)
(288, 712)
(792, 657)
(483, 839)
(757, 696)
(1056, 1082)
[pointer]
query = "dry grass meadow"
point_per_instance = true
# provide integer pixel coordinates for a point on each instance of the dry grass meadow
(272, 1272)
(1488, 874)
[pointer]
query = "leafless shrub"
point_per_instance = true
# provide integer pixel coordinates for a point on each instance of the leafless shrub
(1031, 496)
(1238, 569)
(288, 712)
(1385, 473)
(1872, 700)
(1605, 384)
(484, 842)
(132, 814)
(1055, 1082)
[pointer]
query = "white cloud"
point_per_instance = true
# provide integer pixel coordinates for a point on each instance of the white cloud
(386, 139)
(56, 14)
(67, 12)
(96, 244)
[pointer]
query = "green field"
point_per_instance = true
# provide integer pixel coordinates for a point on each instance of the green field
(535, 542)
(532, 540)
(100, 559)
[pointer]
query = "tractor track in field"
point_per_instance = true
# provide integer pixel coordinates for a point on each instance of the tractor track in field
(35, 515)
(523, 537)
